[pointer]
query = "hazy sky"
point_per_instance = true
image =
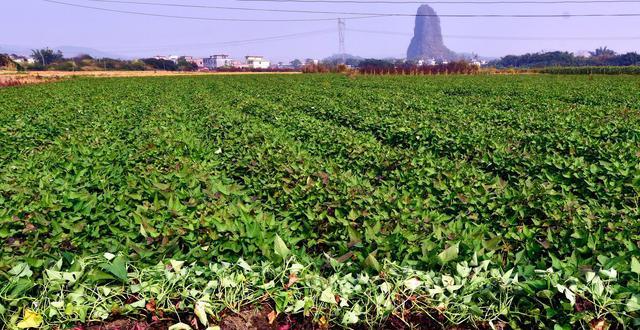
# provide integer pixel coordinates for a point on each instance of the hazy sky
(39, 23)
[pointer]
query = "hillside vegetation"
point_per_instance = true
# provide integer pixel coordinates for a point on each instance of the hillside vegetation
(6, 63)
(479, 201)
(613, 70)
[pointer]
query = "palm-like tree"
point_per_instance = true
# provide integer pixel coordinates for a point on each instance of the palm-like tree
(602, 52)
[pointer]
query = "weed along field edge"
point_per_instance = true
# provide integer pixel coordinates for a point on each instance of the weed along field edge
(321, 201)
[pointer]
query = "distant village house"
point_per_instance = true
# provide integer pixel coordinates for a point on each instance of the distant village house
(219, 61)
(172, 58)
(21, 59)
(199, 62)
(257, 62)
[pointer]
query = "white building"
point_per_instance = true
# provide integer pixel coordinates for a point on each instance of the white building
(430, 61)
(222, 60)
(583, 53)
(217, 61)
(199, 62)
(257, 62)
(311, 61)
(173, 58)
(208, 63)
(22, 59)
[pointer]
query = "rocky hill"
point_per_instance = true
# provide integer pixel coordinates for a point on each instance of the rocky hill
(6, 63)
(427, 38)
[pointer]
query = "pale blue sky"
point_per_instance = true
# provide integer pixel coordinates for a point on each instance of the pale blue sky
(38, 23)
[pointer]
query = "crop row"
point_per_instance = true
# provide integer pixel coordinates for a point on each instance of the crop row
(529, 173)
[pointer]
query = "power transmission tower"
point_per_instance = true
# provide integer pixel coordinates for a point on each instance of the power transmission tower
(341, 49)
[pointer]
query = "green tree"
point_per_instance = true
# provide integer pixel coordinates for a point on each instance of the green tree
(184, 65)
(158, 64)
(296, 63)
(46, 55)
(603, 52)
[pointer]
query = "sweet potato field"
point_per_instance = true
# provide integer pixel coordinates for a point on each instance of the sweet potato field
(504, 202)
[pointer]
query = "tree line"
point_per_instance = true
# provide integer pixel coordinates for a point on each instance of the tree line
(49, 59)
(599, 57)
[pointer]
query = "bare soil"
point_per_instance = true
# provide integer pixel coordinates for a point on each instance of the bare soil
(263, 317)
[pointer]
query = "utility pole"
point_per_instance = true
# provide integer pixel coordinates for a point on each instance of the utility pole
(341, 31)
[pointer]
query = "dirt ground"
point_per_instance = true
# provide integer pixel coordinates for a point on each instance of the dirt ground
(250, 318)
(265, 318)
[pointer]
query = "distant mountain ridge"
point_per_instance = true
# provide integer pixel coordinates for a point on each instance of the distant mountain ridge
(68, 51)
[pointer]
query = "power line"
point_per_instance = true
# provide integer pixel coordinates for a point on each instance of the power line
(181, 5)
(361, 15)
(529, 2)
(566, 15)
(300, 11)
(484, 37)
(279, 37)
(234, 42)
(225, 19)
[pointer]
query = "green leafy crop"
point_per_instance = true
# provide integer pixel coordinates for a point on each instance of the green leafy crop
(510, 199)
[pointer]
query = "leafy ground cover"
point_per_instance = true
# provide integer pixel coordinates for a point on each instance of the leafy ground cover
(592, 70)
(477, 201)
